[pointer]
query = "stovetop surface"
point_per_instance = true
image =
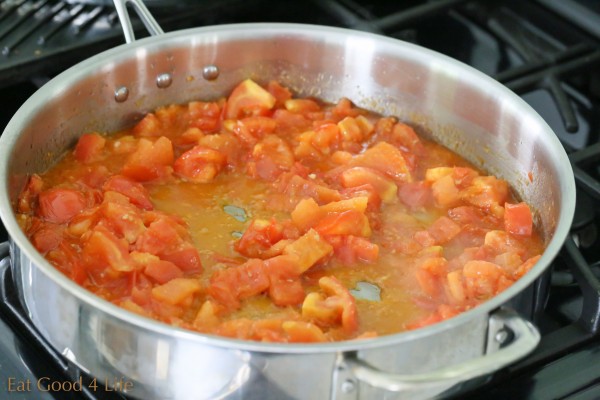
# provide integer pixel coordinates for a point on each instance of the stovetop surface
(547, 51)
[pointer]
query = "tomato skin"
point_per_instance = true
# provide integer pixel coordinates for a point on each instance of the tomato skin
(89, 148)
(58, 205)
(518, 219)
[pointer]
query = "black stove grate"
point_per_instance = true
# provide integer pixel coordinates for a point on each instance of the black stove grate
(545, 54)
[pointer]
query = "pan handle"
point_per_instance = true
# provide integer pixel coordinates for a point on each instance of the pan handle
(525, 339)
(141, 10)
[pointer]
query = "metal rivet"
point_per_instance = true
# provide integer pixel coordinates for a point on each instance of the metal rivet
(348, 386)
(501, 336)
(121, 94)
(164, 80)
(210, 72)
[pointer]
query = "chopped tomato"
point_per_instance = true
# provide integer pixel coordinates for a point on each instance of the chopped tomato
(301, 106)
(303, 332)
(58, 206)
(445, 192)
(349, 222)
(325, 189)
(518, 219)
(344, 108)
(160, 236)
(306, 214)
(177, 291)
(443, 230)
(89, 148)
(368, 191)
(481, 279)
(280, 93)
(357, 176)
(259, 237)
(247, 99)
(289, 122)
(285, 286)
(308, 249)
(45, 236)
(487, 192)
(150, 160)
(185, 257)
(200, 164)
(335, 307)
(149, 126)
(387, 159)
(271, 156)
(352, 249)
(103, 250)
(135, 191)
(29, 194)
(404, 136)
(207, 317)
(296, 187)
(415, 194)
(204, 116)
(231, 285)
(162, 271)
(124, 219)
(526, 266)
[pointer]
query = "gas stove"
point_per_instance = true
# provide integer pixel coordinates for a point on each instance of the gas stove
(547, 51)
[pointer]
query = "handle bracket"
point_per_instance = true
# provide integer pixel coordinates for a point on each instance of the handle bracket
(140, 8)
(502, 324)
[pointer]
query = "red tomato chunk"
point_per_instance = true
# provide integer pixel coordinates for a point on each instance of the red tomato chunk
(267, 217)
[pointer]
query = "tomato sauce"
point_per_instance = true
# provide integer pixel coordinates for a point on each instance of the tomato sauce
(267, 217)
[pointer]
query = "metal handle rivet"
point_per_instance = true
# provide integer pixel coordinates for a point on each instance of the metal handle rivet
(121, 94)
(348, 386)
(164, 80)
(501, 336)
(210, 72)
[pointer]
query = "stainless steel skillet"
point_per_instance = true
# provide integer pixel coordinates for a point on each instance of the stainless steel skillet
(454, 104)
